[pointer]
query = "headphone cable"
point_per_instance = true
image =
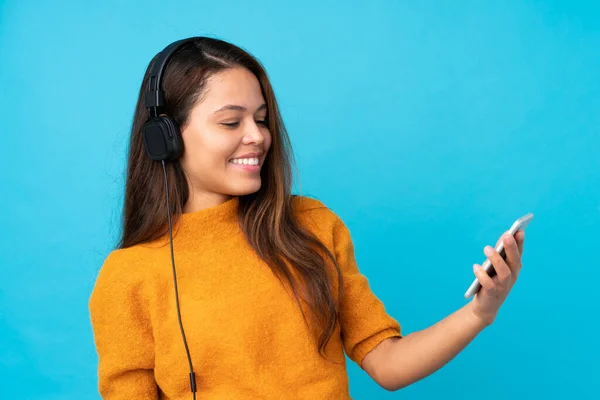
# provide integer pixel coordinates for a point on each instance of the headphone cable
(187, 350)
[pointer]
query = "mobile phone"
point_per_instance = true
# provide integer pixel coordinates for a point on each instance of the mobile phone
(519, 225)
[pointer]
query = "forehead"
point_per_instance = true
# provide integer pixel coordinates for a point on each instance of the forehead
(236, 86)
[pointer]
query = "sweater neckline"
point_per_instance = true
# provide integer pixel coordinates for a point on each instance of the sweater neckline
(225, 211)
(206, 221)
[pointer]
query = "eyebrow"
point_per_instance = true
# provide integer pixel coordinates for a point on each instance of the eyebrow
(235, 107)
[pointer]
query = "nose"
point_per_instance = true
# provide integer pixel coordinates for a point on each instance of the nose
(253, 134)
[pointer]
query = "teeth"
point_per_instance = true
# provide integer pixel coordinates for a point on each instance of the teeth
(245, 161)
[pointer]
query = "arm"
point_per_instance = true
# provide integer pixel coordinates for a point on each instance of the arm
(363, 318)
(122, 332)
(396, 363)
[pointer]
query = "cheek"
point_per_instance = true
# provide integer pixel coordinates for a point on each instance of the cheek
(206, 149)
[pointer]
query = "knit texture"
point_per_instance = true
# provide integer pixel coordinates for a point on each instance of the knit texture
(246, 334)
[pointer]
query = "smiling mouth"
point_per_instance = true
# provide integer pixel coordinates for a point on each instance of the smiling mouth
(252, 161)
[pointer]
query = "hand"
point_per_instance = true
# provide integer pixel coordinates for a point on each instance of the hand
(494, 290)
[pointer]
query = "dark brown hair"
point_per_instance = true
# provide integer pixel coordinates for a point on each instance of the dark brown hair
(266, 217)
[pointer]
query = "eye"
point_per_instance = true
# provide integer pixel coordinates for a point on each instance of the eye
(231, 125)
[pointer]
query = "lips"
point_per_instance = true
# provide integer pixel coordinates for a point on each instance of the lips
(247, 155)
(245, 161)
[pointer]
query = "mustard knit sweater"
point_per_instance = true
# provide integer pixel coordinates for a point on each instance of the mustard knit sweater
(245, 331)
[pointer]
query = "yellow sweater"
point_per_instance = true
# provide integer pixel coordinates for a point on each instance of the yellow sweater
(246, 333)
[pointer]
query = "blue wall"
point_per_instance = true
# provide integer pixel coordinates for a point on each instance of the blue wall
(428, 128)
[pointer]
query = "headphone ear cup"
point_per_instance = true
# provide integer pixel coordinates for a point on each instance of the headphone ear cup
(162, 139)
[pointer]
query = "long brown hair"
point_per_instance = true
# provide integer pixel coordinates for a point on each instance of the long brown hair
(266, 217)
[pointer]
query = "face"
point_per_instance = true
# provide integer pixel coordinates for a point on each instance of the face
(226, 137)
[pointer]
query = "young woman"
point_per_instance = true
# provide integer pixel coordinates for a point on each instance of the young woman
(266, 297)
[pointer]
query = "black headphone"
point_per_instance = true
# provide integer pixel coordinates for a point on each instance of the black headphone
(162, 137)
(163, 142)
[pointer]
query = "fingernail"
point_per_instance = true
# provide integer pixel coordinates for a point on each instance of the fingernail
(488, 250)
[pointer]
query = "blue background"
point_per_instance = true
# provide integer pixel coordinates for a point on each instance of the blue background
(429, 128)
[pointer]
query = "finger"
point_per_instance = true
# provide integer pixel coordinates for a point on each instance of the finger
(484, 279)
(500, 239)
(502, 270)
(513, 257)
(520, 238)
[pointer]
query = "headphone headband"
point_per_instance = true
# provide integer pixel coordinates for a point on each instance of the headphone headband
(154, 98)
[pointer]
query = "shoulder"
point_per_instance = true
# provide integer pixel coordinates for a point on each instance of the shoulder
(120, 295)
(304, 203)
(123, 263)
(319, 217)
(122, 271)
(305, 206)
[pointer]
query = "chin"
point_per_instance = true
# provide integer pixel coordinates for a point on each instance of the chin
(244, 189)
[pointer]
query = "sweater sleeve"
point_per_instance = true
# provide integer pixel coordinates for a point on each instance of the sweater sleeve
(122, 333)
(363, 319)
